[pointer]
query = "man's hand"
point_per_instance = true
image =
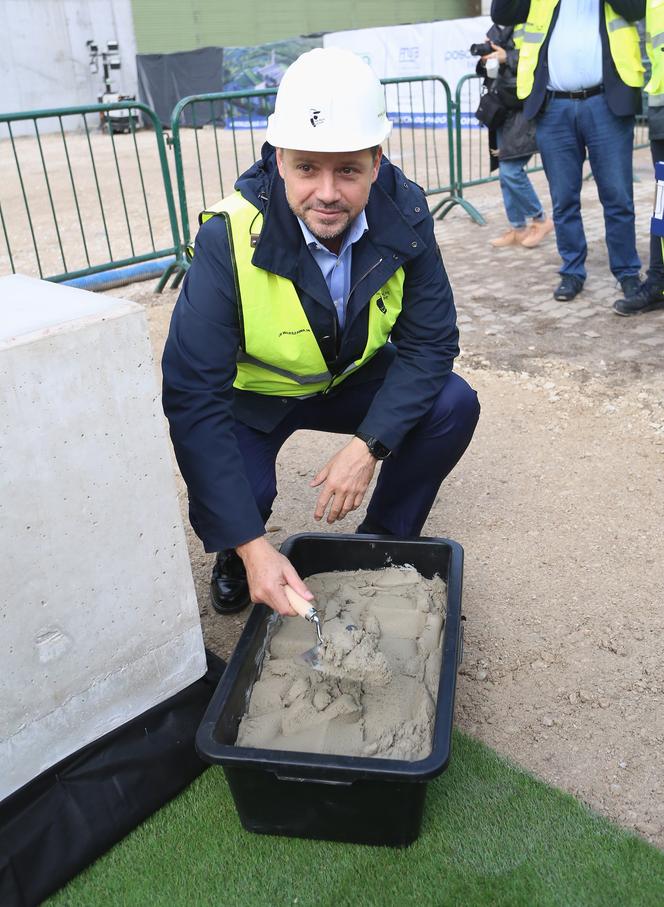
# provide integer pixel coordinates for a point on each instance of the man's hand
(345, 479)
(268, 572)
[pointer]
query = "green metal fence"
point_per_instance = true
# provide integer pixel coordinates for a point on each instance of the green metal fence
(473, 161)
(215, 137)
(77, 197)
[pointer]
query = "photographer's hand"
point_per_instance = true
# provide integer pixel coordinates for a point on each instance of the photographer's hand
(499, 53)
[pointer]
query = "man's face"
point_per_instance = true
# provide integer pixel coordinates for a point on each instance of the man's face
(327, 189)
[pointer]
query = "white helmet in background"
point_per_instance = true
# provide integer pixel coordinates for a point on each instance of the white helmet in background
(329, 100)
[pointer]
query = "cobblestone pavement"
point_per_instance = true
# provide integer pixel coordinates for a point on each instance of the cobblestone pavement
(507, 314)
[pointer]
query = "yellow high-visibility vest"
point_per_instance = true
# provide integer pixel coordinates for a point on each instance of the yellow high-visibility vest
(280, 355)
(655, 48)
(623, 43)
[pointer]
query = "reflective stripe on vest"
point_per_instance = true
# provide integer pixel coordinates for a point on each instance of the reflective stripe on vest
(623, 44)
(517, 35)
(280, 355)
(654, 40)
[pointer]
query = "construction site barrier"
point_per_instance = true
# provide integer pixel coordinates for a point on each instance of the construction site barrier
(79, 199)
(84, 190)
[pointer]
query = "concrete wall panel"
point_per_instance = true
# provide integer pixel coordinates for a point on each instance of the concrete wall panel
(98, 615)
(45, 62)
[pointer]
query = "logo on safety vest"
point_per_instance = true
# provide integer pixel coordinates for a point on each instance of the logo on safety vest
(381, 304)
(293, 333)
(315, 118)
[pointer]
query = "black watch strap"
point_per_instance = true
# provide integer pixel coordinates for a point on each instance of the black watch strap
(376, 448)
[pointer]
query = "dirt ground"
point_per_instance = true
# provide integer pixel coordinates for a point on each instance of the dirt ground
(558, 502)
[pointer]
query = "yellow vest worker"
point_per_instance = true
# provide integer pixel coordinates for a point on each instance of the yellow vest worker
(316, 299)
(651, 294)
(580, 76)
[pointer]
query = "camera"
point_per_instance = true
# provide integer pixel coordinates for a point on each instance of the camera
(481, 50)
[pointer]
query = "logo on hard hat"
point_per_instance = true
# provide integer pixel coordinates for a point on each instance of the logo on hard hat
(315, 119)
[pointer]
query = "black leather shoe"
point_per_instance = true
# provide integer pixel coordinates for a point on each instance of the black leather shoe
(647, 299)
(229, 590)
(569, 287)
(630, 286)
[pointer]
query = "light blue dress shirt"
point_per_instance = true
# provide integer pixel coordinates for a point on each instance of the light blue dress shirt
(575, 48)
(336, 268)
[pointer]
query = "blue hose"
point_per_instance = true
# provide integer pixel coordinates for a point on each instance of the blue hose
(120, 277)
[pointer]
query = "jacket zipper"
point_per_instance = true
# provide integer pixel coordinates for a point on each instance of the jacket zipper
(336, 320)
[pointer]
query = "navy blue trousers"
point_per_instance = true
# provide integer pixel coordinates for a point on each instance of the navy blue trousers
(409, 479)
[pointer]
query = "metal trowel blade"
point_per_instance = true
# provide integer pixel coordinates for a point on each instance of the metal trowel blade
(311, 658)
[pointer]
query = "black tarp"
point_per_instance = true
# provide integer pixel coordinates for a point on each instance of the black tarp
(164, 79)
(61, 821)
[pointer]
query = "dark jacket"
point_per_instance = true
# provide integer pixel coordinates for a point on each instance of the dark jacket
(517, 134)
(200, 355)
(622, 99)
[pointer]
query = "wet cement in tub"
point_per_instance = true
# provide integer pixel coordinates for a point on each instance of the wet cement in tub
(374, 693)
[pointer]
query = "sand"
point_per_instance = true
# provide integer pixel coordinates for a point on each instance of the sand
(373, 688)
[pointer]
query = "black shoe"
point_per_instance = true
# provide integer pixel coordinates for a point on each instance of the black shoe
(647, 299)
(630, 286)
(229, 590)
(569, 287)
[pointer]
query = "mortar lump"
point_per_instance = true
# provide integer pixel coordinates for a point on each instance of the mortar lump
(375, 688)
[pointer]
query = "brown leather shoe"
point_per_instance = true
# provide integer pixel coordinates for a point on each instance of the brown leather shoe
(511, 238)
(536, 232)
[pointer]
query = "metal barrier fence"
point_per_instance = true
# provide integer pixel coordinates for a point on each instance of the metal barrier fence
(77, 203)
(224, 132)
(222, 137)
(472, 147)
(76, 199)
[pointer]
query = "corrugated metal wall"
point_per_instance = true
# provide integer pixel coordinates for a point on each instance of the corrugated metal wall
(166, 26)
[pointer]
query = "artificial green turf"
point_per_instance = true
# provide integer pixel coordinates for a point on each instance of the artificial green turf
(492, 835)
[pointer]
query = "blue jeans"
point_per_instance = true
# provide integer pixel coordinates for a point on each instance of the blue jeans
(411, 476)
(519, 197)
(566, 130)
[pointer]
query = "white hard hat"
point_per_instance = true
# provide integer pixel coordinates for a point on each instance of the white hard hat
(328, 100)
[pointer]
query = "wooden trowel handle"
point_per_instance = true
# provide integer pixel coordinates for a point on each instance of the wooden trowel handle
(298, 603)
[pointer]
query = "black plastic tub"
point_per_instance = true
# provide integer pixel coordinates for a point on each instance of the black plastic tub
(362, 800)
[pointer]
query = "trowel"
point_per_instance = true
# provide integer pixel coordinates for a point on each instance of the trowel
(306, 610)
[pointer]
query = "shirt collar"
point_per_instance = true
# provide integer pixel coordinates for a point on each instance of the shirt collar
(356, 230)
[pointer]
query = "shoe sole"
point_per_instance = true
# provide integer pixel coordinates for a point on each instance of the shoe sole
(565, 298)
(651, 307)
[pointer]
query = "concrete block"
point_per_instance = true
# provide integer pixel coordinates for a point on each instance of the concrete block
(98, 615)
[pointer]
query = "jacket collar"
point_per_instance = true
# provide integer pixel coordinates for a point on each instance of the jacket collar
(391, 236)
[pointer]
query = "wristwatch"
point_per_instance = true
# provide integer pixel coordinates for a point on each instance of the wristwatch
(376, 448)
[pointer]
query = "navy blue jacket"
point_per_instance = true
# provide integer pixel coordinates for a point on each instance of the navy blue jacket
(199, 362)
(623, 100)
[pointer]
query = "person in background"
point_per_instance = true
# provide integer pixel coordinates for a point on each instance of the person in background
(317, 299)
(651, 293)
(512, 145)
(580, 76)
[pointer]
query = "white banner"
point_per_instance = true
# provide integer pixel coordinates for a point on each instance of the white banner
(414, 51)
